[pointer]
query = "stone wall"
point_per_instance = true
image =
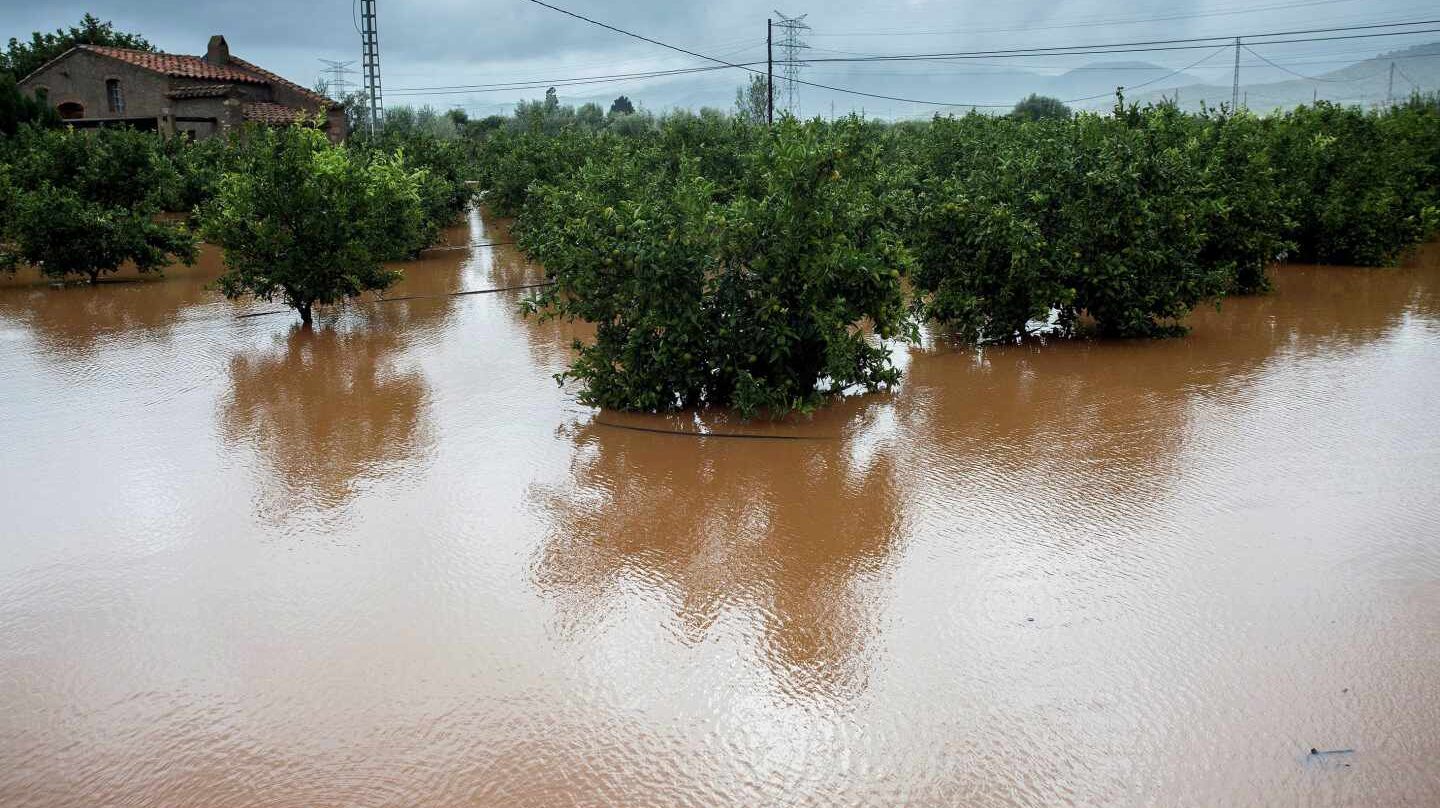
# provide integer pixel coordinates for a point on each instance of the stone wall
(81, 76)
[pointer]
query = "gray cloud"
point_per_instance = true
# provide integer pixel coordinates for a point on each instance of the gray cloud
(427, 43)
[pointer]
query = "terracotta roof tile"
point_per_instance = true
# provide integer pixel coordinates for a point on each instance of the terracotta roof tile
(269, 113)
(171, 64)
(274, 78)
(201, 91)
(237, 70)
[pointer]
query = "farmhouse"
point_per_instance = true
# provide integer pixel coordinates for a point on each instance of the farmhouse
(93, 85)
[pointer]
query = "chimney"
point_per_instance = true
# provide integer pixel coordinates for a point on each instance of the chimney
(217, 52)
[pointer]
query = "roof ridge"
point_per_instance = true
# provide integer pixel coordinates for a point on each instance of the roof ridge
(182, 65)
(275, 77)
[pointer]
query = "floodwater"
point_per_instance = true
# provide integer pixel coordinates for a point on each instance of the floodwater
(391, 563)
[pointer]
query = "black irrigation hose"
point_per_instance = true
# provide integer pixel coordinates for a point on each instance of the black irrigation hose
(463, 294)
(467, 246)
(735, 435)
(420, 297)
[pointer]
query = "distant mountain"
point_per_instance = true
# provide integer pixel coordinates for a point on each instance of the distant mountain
(1264, 87)
(1364, 83)
(1104, 77)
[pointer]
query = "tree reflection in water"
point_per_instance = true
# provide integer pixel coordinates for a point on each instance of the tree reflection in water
(326, 411)
(785, 539)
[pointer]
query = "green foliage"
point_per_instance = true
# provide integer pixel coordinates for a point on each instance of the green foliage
(1019, 227)
(1356, 189)
(1245, 216)
(84, 204)
(752, 102)
(751, 300)
(307, 222)
(511, 163)
(8, 198)
(24, 58)
(18, 109)
(427, 139)
(198, 164)
(64, 234)
(622, 106)
(117, 167)
(1124, 222)
(1040, 108)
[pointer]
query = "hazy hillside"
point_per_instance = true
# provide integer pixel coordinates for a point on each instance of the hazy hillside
(1264, 87)
(1362, 83)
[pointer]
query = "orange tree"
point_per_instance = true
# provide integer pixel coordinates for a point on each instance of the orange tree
(307, 222)
(770, 297)
(85, 203)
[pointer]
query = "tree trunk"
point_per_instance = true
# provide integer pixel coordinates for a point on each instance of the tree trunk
(304, 309)
(94, 277)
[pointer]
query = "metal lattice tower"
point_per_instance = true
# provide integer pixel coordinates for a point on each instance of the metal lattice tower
(370, 48)
(1235, 84)
(337, 71)
(791, 44)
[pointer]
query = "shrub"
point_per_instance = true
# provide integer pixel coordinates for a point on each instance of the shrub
(1040, 108)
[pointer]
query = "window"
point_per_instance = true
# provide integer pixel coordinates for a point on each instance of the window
(71, 110)
(117, 98)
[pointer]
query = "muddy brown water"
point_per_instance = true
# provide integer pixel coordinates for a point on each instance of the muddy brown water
(391, 563)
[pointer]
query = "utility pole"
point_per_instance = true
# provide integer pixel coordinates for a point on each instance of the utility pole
(793, 44)
(770, 72)
(1235, 85)
(337, 70)
(370, 48)
(1390, 89)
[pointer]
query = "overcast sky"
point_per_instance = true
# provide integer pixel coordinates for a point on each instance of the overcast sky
(430, 43)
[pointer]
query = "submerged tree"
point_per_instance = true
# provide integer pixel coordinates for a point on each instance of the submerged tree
(750, 298)
(85, 204)
(307, 222)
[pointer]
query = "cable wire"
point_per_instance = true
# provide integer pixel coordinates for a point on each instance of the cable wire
(1413, 82)
(1175, 44)
(1089, 24)
(1302, 75)
(1143, 45)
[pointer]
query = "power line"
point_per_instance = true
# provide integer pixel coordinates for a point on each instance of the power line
(1128, 47)
(1413, 83)
(1192, 43)
(531, 84)
(1174, 44)
(1302, 75)
(644, 38)
(540, 83)
(1091, 23)
(1172, 74)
